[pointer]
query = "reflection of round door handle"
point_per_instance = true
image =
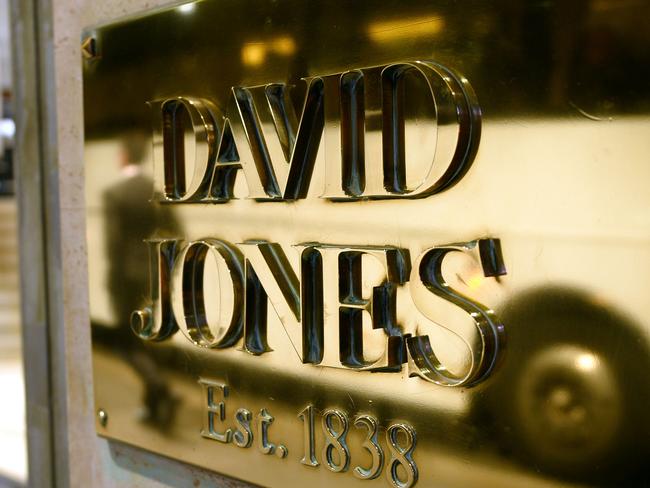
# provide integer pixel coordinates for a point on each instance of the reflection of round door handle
(567, 406)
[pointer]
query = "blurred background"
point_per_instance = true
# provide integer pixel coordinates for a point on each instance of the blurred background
(13, 451)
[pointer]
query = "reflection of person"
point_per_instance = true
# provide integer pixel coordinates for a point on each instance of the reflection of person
(130, 218)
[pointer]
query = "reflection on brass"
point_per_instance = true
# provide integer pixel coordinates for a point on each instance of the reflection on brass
(388, 245)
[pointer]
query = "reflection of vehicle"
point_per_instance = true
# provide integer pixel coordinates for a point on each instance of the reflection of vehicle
(569, 396)
(572, 392)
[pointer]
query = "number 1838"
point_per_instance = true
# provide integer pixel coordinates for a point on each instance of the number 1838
(401, 470)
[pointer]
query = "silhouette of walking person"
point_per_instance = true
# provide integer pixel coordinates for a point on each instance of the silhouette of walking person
(131, 217)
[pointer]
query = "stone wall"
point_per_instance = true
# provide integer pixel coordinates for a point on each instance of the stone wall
(93, 461)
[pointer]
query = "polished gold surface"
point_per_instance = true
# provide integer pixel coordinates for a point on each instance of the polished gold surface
(374, 243)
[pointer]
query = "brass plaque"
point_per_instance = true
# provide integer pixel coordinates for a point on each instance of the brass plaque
(374, 243)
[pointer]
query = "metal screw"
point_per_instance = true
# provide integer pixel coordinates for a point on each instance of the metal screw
(89, 47)
(102, 416)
